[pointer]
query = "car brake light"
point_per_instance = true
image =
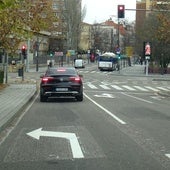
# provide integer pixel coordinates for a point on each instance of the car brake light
(46, 79)
(75, 79)
(61, 70)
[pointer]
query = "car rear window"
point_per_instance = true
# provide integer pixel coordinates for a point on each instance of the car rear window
(61, 71)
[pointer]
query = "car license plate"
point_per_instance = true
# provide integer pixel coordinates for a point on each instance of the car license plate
(61, 89)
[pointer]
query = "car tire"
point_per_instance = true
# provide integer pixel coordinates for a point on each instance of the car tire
(43, 98)
(79, 98)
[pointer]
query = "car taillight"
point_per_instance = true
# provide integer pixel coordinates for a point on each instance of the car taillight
(46, 79)
(75, 79)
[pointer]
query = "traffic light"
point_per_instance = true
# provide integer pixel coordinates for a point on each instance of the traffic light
(51, 53)
(121, 11)
(119, 57)
(147, 49)
(23, 50)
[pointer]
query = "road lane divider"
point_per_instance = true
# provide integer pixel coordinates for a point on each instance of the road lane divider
(105, 110)
(147, 101)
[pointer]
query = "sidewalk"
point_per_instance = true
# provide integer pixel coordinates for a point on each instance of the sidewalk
(15, 96)
(13, 99)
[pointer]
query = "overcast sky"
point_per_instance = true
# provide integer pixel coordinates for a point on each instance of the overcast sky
(102, 10)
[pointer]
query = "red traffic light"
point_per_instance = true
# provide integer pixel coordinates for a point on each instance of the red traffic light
(23, 50)
(121, 8)
(121, 11)
(23, 47)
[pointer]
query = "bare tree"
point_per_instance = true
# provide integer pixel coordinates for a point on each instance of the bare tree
(73, 19)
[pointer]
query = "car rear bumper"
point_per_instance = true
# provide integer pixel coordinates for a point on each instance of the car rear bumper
(69, 93)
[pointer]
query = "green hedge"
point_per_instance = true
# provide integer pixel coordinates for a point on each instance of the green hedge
(1, 76)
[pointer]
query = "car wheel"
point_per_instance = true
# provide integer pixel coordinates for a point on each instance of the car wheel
(43, 98)
(79, 98)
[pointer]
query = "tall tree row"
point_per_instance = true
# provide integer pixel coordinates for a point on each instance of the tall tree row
(19, 19)
(73, 19)
(156, 30)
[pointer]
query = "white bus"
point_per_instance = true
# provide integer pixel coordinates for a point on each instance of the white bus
(107, 61)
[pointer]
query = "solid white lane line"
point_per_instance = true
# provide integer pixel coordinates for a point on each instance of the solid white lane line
(136, 98)
(104, 109)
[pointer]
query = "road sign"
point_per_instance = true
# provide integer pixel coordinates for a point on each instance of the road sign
(72, 52)
(75, 147)
(58, 54)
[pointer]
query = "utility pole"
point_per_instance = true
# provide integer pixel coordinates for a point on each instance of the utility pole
(118, 34)
(36, 52)
(28, 53)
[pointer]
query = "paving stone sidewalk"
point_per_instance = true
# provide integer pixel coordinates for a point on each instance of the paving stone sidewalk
(13, 98)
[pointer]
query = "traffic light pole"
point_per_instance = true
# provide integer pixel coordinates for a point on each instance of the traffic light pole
(36, 55)
(118, 32)
(147, 65)
(28, 53)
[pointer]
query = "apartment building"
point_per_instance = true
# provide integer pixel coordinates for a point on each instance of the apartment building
(86, 40)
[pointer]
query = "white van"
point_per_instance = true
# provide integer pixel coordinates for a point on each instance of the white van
(79, 63)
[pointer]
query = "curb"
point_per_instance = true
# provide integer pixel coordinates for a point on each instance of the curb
(10, 119)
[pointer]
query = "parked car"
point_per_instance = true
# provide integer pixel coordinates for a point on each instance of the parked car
(79, 63)
(61, 82)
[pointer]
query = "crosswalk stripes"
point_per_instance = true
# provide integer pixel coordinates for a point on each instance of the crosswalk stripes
(141, 88)
(129, 88)
(125, 87)
(116, 87)
(151, 88)
(162, 88)
(93, 71)
(104, 87)
(92, 86)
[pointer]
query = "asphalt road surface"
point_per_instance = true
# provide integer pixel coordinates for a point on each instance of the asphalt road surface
(122, 124)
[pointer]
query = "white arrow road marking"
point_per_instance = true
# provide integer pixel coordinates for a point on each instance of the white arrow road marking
(105, 95)
(168, 155)
(75, 147)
